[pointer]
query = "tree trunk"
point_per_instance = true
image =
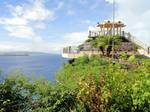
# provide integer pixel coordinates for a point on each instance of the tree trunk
(102, 49)
(109, 49)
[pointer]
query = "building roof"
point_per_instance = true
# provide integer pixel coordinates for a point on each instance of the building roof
(109, 24)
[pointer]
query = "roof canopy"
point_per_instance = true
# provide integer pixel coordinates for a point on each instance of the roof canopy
(109, 24)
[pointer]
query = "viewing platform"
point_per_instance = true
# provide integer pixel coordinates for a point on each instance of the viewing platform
(106, 28)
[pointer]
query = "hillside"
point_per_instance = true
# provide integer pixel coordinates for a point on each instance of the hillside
(87, 84)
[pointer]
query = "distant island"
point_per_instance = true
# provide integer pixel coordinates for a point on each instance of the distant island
(14, 54)
(21, 53)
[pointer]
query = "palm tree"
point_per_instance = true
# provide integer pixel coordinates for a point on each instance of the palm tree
(99, 43)
(104, 43)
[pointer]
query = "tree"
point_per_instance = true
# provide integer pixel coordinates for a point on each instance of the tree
(104, 43)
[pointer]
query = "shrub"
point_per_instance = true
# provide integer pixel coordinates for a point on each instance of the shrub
(87, 85)
(132, 59)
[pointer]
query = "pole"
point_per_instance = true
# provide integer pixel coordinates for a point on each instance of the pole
(113, 28)
(113, 17)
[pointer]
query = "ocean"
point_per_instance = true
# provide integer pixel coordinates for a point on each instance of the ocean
(45, 65)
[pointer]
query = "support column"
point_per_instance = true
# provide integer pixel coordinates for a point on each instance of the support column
(89, 33)
(111, 31)
(107, 31)
(100, 31)
(69, 49)
(117, 31)
(104, 31)
(120, 31)
(148, 50)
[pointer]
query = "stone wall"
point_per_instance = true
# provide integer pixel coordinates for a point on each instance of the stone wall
(127, 47)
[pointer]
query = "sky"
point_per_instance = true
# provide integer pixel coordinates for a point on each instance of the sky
(50, 25)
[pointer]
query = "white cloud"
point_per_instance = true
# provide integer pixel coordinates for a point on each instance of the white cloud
(59, 6)
(37, 12)
(69, 39)
(13, 46)
(136, 15)
(37, 46)
(13, 21)
(110, 1)
(71, 12)
(20, 31)
(20, 23)
(45, 46)
(83, 1)
(75, 38)
(93, 28)
(87, 22)
(95, 4)
(40, 25)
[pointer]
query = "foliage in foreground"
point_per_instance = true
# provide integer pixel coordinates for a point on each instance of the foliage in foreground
(86, 85)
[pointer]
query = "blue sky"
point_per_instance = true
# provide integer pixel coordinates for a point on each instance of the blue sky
(46, 25)
(49, 25)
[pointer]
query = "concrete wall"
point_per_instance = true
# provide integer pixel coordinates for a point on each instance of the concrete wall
(82, 53)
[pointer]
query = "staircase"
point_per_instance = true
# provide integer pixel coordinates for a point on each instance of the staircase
(144, 48)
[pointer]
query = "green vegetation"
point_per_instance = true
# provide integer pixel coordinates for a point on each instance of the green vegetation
(104, 43)
(104, 86)
(108, 43)
(89, 84)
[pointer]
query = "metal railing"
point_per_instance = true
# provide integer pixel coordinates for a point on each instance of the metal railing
(133, 39)
(94, 33)
(71, 49)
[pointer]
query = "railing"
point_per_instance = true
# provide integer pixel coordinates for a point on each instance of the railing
(133, 39)
(94, 33)
(99, 33)
(128, 36)
(71, 49)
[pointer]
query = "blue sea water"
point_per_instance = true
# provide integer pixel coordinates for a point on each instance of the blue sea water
(45, 65)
